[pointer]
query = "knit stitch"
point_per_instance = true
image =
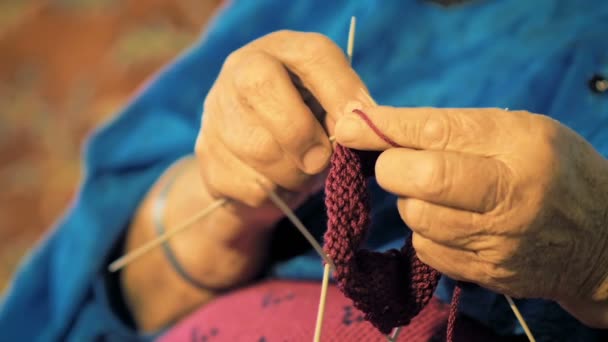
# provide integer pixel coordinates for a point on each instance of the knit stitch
(392, 287)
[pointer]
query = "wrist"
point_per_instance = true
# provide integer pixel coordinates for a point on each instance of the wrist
(222, 250)
(216, 250)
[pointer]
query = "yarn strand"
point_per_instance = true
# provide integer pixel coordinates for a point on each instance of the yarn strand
(453, 313)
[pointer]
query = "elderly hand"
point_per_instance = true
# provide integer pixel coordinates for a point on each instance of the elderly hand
(263, 121)
(264, 118)
(513, 201)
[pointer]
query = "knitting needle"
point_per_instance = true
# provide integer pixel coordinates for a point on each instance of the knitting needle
(520, 318)
(296, 222)
(132, 256)
(349, 50)
(150, 245)
(394, 335)
(350, 46)
(322, 300)
(328, 263)
(351, 39)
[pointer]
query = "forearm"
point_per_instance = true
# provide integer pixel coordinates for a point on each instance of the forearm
(219, 250)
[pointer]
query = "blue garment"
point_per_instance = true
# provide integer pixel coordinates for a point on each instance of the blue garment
(532, 55)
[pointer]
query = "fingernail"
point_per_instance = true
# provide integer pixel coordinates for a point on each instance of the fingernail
(315, 158)
(348, 128)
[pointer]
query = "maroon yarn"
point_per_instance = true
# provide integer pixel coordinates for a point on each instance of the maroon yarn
(453, 313)
(375, 128)
(391, 287)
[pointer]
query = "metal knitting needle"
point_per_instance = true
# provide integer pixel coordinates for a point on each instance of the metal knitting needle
(394, 335)
(150, 245)
(351, 42)
(322, 301)
(325, 281)
(520, 318)
(351, 39)
(328, 263)
(297, 223)
(137, 253)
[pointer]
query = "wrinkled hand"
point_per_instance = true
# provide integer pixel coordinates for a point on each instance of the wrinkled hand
(267, 116)
(264, 126)
(513, 201)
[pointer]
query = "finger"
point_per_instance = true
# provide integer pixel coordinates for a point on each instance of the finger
(463, 130)
(450, 227)
(458, 180)
(321, 65)
(253, 144)
(241, 132)
(456, 264)
(225, 176)
(267, 89)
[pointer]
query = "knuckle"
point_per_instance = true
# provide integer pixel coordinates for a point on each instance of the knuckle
(548, 146)
(544, 125)
(255, 76)
(233, 60)
(545, 130)
(548, 135)
(435, 132)
(315, 47)
(283, 34)
(319, 41)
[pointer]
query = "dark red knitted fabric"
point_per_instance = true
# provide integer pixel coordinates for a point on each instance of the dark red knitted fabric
(390, 288)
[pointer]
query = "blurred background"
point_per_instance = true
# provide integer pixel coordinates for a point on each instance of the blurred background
(65, 67)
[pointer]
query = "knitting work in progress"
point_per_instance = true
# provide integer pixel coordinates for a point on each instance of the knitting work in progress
(392, 287)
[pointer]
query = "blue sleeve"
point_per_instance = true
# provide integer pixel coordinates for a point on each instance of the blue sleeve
(56, 294)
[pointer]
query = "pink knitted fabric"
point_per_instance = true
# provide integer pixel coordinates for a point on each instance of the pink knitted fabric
(390, 288)
(284, 310)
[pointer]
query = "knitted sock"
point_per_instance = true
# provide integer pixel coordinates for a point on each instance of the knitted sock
(390, 288)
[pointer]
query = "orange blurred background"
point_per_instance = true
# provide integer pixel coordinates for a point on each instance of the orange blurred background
(65, 67)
